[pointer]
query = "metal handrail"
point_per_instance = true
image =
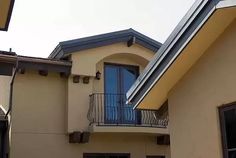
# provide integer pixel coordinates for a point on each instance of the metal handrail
(111, 109)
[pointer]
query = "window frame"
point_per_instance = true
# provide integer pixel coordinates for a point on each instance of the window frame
(120, 88)
(134, 67)
(222, 109)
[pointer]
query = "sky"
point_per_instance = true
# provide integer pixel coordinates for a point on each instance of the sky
(37, 26)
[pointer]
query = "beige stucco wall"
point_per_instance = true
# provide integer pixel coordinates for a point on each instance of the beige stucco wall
(125, 59)
(5, 91)
(87, 63)
(39, 124)
(56, 145)
(47, 108)
(39, 103)
(84, 62)
(193, 113)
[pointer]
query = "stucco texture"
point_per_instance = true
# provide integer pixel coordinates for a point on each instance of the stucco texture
(87, 63)
(194, 101)
(47, 108)
(56, 145)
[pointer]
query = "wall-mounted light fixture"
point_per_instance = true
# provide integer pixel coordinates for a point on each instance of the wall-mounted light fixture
(98, 75)
(131, 41)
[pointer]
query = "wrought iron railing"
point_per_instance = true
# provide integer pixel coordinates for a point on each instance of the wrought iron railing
(111, 109)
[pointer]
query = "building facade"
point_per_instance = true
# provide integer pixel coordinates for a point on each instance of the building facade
(195, 75)
(6, 8)
(72, 104)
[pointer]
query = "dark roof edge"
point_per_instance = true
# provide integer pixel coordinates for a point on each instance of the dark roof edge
(35, 63)
(182, 34)
(70, 46)
(55, 52)
(44, 60)
(8, 16)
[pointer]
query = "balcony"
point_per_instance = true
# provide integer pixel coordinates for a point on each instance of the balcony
(107, 111)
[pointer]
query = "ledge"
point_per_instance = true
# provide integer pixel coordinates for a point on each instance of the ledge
(128, 129)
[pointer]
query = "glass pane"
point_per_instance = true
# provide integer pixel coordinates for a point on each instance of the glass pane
(129, 75)
(118, 80)
(111, 90)
(111, 79)
(230, 124)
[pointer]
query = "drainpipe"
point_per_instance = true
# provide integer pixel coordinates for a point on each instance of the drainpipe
(11, 88)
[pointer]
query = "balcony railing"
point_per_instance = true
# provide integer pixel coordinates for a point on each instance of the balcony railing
(111, 109)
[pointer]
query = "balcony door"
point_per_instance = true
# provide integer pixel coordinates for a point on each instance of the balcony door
(118, 80)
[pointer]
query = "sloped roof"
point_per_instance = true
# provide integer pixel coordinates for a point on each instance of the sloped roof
(8, 60)
(6, 7)
(170, 50)
(67, 47)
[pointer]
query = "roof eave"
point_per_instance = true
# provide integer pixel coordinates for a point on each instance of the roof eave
(68, 47)
(56, 52)
(8, 16)
(34, 63)
(144, 84)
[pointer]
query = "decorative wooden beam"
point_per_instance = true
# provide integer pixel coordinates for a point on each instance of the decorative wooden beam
(163, 140)
(79, 137)
(84, 137)
(86, 79)
(74, 137)
(43, 72)
(44, 66)
(64, 74)
(76, 79)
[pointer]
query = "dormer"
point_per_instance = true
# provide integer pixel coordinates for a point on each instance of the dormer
(103, 69)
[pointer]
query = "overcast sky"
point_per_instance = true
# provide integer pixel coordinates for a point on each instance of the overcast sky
(37, 26)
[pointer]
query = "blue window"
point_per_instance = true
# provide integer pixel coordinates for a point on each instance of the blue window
(118, 80)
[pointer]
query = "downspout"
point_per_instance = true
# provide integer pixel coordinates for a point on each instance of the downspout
(11, 88)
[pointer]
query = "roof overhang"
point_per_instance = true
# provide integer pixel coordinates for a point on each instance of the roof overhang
(6, 7)
(7, 63)
(129, 36)
(10, 61)
(201, 26)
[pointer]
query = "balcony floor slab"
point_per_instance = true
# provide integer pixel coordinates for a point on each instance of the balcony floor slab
(127, 129)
